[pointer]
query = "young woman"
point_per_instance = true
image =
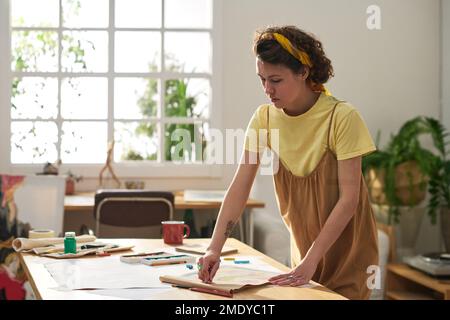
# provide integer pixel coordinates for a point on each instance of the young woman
(319, 186)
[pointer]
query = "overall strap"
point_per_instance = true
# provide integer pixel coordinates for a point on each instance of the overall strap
(331, 120)
(267, 137)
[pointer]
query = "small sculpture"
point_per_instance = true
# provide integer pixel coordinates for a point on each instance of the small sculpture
(109, 166)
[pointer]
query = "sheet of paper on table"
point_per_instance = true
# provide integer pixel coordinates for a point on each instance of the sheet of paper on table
(204, 195)
(122, 280)
(108, 273)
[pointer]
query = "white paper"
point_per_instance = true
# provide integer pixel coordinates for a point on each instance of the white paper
(132, 294)
(108, 273)
(204, 195)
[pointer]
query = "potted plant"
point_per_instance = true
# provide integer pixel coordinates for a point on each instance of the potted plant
(398, 175)
(71, 179)
(439, 183)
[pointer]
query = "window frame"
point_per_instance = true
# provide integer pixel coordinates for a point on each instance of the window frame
(132, 169)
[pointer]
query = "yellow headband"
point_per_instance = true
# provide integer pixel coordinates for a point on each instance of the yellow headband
(301, 56)
(296, 53)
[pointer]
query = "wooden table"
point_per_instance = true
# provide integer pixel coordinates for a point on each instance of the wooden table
(406, 283)
(84, 201)
(42, 282)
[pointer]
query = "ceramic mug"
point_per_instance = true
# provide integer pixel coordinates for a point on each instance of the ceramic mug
(173, 231)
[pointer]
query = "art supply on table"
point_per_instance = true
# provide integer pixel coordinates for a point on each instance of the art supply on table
(165, 259)
(229, 259)
(92, 246)
(137, 257)
(167, 263)
(200, 266)
(103, 251)
(190, 266)
(198, 248)
(70, 243)
(241, 261)
(39, 234)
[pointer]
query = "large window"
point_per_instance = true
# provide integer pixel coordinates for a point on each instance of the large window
(88, 72)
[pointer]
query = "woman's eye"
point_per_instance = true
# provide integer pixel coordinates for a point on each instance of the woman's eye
(276, 81)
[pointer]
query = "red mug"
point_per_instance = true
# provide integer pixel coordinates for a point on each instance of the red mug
(173, 231)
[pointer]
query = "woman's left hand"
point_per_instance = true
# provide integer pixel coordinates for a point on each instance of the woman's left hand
(298, 276)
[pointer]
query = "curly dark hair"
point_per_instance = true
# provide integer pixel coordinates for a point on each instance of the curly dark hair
(267, 49)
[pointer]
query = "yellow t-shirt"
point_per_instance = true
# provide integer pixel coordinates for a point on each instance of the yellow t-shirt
(303, 138)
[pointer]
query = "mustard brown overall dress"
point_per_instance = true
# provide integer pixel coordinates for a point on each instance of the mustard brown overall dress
(305, 202)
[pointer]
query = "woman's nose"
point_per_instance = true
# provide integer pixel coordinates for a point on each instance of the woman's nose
(268, 89)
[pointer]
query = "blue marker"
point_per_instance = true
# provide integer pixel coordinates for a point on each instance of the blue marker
(189, 266)
(241, 261)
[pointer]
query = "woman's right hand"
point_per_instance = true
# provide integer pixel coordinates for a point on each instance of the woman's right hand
(208, 266)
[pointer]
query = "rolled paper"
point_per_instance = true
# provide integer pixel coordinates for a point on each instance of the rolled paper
(21, 244)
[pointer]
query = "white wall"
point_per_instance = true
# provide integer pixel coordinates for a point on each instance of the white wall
(445, 36)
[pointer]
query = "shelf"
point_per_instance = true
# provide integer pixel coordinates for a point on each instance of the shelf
(405, 295)
(406, 283)
(419, 277)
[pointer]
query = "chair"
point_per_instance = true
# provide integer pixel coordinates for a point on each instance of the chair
(390, 233)
(131, 213)
(386, 254)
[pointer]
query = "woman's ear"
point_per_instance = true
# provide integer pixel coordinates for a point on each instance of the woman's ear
(305, 73)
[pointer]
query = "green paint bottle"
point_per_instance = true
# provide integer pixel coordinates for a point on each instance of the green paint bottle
(70, 243)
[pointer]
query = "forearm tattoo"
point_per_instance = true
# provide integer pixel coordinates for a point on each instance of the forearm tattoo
(229, 228)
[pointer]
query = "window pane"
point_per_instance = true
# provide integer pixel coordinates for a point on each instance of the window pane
(85, 13)
(34, 97)
(188, 13)
(84, 98)
(135, 98)
(33, 142)
(137, 51)
(32, 13)
(85, 51)
(138, 13)
(187, 51)
(84, 142)
(135, 141)
(187, 98)
(185, 142)
(34, 51)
